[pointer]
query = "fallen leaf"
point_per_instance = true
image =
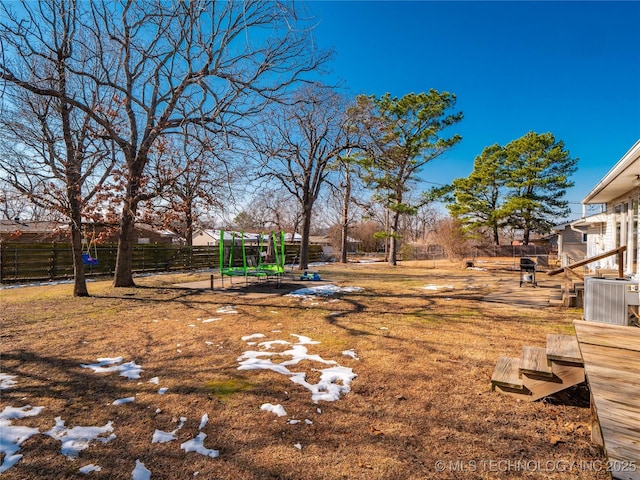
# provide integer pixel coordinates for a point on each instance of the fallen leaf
(554, 439)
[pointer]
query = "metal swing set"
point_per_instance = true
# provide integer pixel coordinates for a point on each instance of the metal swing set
(90, 253)
(253, 266)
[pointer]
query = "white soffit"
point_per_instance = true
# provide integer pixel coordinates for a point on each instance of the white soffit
(619, 180)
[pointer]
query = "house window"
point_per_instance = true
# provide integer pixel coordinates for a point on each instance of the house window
(144, 241)
(584, 238)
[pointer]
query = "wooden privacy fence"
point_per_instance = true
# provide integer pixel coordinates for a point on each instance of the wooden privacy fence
(53, 261)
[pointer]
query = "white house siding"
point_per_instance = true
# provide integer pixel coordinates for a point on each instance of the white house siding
(622, 229)
(596, 243)
(571, 245)
(205, 238)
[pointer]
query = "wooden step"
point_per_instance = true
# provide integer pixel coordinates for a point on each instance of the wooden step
(507, 374)
(565, 375)
(563, 348)
(534, 362)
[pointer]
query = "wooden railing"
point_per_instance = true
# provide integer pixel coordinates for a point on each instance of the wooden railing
(569, 268)
(567, 294)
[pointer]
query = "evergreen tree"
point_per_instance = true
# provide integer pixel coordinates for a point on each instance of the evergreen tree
(402, 135)
(538, 169)
(476, 199)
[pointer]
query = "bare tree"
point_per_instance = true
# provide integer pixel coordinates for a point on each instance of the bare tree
(52, 150)
(404, 134)
(452, 238)
(192, 178)
(299, 144)
(169, 64)
(343, 202)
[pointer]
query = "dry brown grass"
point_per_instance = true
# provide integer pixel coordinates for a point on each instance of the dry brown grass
(422, 393)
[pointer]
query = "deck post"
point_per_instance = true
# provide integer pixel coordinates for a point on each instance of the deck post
(596, 433)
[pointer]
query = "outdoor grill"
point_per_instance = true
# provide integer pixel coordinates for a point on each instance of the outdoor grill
(528, 271)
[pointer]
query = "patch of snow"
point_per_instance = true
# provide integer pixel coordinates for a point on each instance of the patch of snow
(298, 446)
(227, 309)
(434, 287)
(322, 291)
(209, 320)
(11, 413)
(203, 421)
(162, 390)
(155, 380)
(251, 337)
(108, 365)
(328, 388)
(267, 345)
(197, 445)
(351, 353)
(78, 438)
(334, 381)
(140, 472)
(12, 436)
(122, 401)
(7, 381)
(160, 436)
(277, 409)
(90, 468)
(302, 340)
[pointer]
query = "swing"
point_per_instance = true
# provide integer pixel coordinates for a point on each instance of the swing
(230, 270)
(259, 269)
(276, 246)
(87, 257)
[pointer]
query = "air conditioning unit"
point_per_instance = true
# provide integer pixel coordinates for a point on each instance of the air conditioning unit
(608, 300)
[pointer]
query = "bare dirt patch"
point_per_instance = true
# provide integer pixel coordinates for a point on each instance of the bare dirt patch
(420, 407)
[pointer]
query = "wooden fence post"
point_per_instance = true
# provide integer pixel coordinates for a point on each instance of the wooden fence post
(2, 260)
(52, 262)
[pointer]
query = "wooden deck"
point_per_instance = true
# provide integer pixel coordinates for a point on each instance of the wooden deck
(611, 356)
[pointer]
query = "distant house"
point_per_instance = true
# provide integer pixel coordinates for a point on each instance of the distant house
(19, 231)
(327, 244)
(211, 238)
(617, 223)
(572, 242)
(26, 231)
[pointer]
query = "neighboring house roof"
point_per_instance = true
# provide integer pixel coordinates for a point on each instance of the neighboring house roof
(619, 180)
(229, 235)
(591, 220)
(21, 227)
(293, 237)
(325, 239)
(151, 228)
(11, 226)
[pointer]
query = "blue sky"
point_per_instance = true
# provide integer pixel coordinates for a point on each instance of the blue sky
(569, 68)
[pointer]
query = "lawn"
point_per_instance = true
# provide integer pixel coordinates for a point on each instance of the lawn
(386, 377)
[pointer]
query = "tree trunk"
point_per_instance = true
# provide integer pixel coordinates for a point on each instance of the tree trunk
(345, 218)
(79, 281)
(496, 236)
(386, 235)
(393, 239)
(123, 275)
(189, 226)
(304, 242)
